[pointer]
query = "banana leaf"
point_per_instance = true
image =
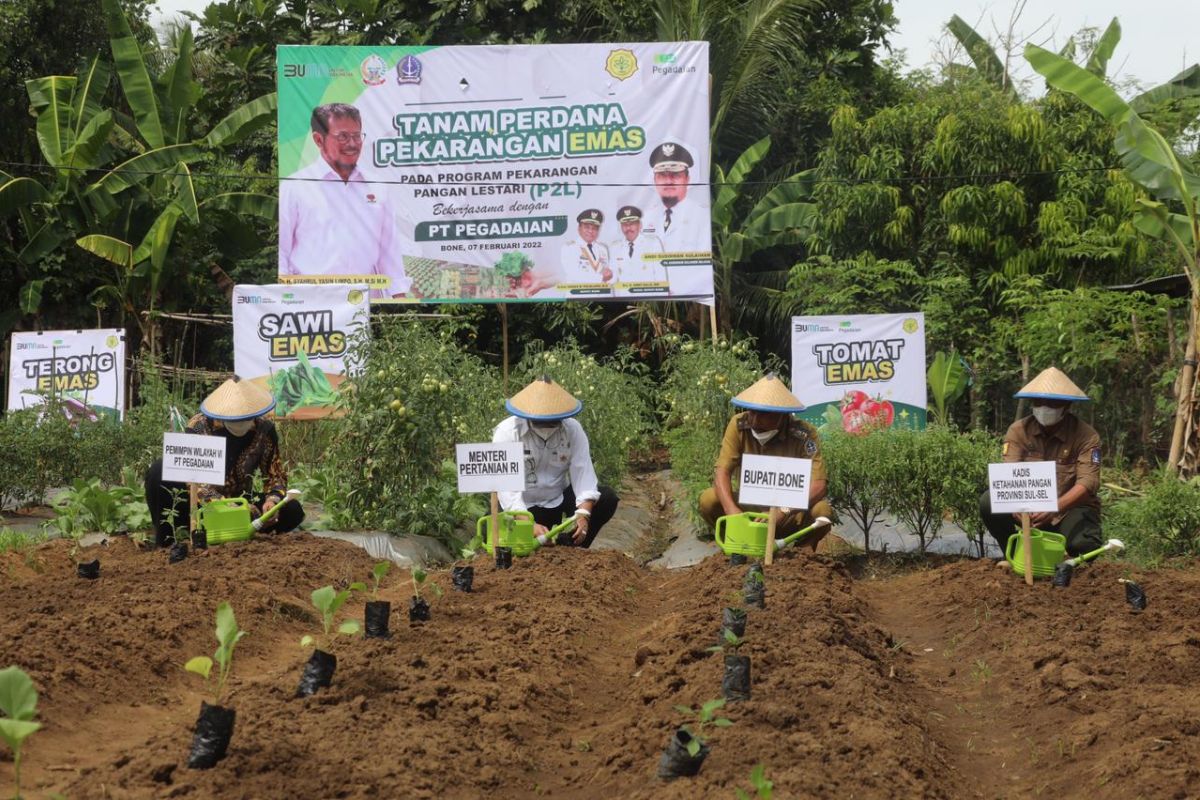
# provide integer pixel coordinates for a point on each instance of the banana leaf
(30, 296)
(90, 86)
(180, 89)
(139, 168)
(46, 240)
(186, 192)
(109, 248)
(85, 153)
(1185, 84)
(948, 379)
(132, 73)
(245, 204)
(243, 121)
(727, 194)
(51, 101)
(17, 193)
(1102, 52)
(987, 63)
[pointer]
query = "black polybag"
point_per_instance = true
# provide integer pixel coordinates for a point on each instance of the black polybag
(462, 578)
(735, 685)
(734, 621)
(754, 591)
(418, 610)
(90, 570)
(504, 557)
(318, 673)
(214, 729)
(179, 551)
(676, 761)
(375, 615)
(1135, 596)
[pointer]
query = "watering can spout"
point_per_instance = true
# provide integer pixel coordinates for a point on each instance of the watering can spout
(818, 523)
(269, 514)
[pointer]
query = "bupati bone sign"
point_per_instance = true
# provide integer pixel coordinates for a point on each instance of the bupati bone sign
(775, 481)
(1028, 486)
(191, 458)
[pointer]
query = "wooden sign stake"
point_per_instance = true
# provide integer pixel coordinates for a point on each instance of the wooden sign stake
(495, 522)
(769, 550)
(1027, 547)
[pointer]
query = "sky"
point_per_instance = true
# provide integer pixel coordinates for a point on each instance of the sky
(1155, 39)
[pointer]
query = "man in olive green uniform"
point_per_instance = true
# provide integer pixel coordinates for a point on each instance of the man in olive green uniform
(1053, 433)
(767, 428)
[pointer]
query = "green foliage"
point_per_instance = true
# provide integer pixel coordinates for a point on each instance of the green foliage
(948, 379)
(700, 379)
(759, 783)
(859, 470)
(13, 541)
(301, 385)
(615, 394)
(88, 507)
(731, 643)
(419, 577)
(1162, 524)
(18, 702)
(228, 635)
(378, 573)
(415, 394)
(704, 717)
(513, 264)
(328, 602)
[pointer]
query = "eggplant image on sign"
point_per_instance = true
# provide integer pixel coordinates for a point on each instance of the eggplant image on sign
(293, 341)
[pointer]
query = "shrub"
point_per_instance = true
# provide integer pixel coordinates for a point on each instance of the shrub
(415, 394)
(700, 378)
(615, 394)
(1164, 523)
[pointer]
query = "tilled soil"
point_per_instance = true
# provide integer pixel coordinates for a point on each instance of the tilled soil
(558, 678)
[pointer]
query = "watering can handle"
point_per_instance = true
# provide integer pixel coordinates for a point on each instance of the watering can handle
(719, 531)
(1008, 548)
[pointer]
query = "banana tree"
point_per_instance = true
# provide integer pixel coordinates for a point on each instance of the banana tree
(1170, 211)
(780, 217)
(118, 183)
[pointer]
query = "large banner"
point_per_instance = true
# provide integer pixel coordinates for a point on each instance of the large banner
(84, 370)
(859, 373)
(534, 172)
(292, 341)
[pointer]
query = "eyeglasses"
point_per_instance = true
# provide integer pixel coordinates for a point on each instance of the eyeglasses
(347, 138)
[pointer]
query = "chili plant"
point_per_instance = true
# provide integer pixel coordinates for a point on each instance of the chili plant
(329, 602)
(705, 717)
(18, 701)
(228, 636)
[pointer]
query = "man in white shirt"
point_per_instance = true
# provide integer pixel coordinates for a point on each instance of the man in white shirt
(627, 256)
(585, 260)
(560, 480)
(332, 220)
(681, 223)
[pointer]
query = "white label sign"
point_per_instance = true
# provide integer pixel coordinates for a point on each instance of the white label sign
(775, 481)
(83, 370)
(491, 467)
(192, 458)
(1025, 486)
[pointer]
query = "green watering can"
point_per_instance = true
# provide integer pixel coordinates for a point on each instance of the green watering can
(1048, 549)
(746, 533)
(227, 519)
(516, 532)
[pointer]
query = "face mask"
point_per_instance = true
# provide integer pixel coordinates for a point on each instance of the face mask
(239, 427)
(544, 431)
(1048, 416)
(763, 438)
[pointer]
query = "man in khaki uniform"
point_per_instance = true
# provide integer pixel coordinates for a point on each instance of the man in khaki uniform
(767, 428)
(1053, 433)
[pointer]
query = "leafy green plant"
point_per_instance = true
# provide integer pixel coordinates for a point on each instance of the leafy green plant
(759, 783)
(419, 578)
(302, 385)
(18, 541)
(948, 379)
(378, 573)
(858, 469)
(732, 643)
(89, 507)
(703, 717)
(328, 603)
(18, 701)
(228, 635)
(1163, 523)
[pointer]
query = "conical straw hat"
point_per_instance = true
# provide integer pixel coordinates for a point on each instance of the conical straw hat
(543, 400)
(1052, 384)
(769, 394)
(236, 399)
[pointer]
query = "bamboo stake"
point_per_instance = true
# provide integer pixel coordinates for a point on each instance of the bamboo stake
(504, 337)
(1026, 545)
(495, 522)
(769, 550)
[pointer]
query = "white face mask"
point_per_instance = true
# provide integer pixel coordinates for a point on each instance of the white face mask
(763, 438)
(239, 427)
(546, 431)
(1048, 416)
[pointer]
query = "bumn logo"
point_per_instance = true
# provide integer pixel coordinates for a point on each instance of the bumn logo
(293, 70)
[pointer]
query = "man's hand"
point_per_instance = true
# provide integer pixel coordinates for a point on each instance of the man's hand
(606, 274)
(1041, 518)
(270, 503)
(581, 529)
(539, 530)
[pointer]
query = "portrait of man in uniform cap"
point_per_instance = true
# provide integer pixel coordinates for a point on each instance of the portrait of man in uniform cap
(333, 218)
(679, 219)
(627, 253)
(584, 259)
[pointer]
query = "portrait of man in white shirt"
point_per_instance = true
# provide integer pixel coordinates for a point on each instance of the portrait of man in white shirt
(333, 220)
(627, 255)
(583, 259)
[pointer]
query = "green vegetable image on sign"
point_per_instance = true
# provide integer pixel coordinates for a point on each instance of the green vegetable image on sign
(301, 386)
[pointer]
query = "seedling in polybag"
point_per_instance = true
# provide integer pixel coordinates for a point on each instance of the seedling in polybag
(704, 717)
(329, 602)
(378, 573)
(228, 636)
(419, 576)
(758, 780)
(18, 701)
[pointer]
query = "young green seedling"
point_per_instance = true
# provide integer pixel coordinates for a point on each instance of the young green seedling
(328, 602)
(704, 717)
(419, 576)
(762, 786)
(731, 645)
(228, 636)
(18, 701)
(378, 573)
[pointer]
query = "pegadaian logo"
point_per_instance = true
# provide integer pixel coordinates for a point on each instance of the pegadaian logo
(373, 70)
(621, 64)
(354, 297)
(408, 70)
(909, 325)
